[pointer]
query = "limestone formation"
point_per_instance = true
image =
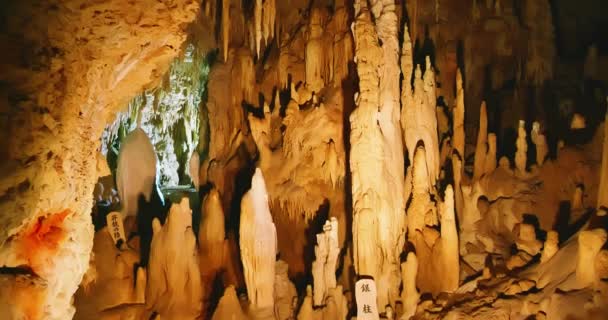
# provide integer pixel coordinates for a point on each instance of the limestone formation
(458, 116)
(91, 66)
(229, 307)
(522, 148)
(420, 205)
(324, 266)
(213, 246)
(136, 170)
(589, 245)
(285, 294)
(375, 138)
(490, 159)
(482, 144)
(174, 288)
(225, 28)
(540, 141)
(449, 244)
(409, 295)
(258, 240)
(257, 21)
(105, 101)
(550, 247)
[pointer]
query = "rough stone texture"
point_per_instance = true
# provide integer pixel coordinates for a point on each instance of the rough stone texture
(68, 67)
(376, 155)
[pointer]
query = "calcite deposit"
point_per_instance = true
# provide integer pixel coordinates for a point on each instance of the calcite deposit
(268, 159)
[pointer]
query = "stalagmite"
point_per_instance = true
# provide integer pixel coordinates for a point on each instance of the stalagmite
(550, 247)
(174, 283)
(136, 170)
(590, 243)
(226, 28)
(409, 294)
(258, 241)
(522, 149)
(213, 247)
(285, 294)
(376, 147)
(602, 194)
(449, 244)
(577, 199)
(458, 140)
(540, 142)
(526, 239)
(324, 266)
(578, 122)
(306, 311)
(420, 205)
(490, 159)
(113, 282)
(457, 170)
(420, 120)
(229, 307)
(418, 113)
(482, 143)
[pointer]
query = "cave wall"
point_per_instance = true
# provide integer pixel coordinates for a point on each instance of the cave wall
(68, 68)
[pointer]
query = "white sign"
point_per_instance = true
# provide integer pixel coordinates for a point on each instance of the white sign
(116, 227)
(365, 293)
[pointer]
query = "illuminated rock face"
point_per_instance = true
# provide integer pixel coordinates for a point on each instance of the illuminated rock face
(174, 288)
(464, 230)
(136, 171)
(376, 156)
(258, 240)
(98, 55)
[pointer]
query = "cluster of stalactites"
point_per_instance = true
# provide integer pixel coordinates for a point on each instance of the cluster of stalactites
(264, 16)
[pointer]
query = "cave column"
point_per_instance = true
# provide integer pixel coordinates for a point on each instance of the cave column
(376, 156)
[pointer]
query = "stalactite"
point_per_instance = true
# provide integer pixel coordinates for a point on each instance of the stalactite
(268, 20)
(537, 17)
(225, 28)
(315, 53)
(258, 241)
(378, 203)
(257, 23)
(482, 143)
(458, 140)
